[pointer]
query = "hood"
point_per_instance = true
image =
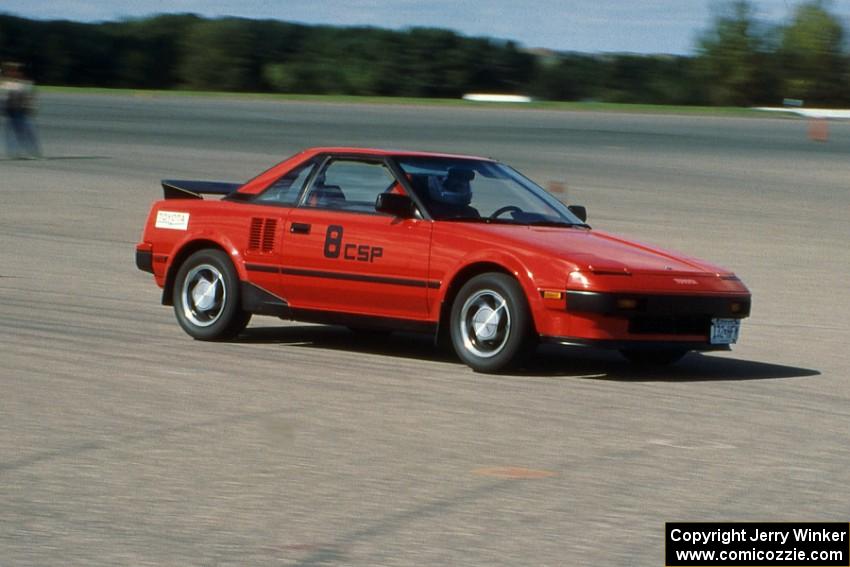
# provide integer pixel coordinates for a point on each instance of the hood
(599, 252)
(604, 252)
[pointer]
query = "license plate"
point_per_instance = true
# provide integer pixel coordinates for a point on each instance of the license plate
(725, 331)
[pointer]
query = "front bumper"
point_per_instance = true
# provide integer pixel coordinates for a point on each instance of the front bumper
(658, 305)
(645, 345)
(654, 314)
(640, 320)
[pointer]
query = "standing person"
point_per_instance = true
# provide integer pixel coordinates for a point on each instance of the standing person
(18, 105)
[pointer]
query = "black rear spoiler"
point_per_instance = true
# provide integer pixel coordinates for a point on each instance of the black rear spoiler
(186, 189)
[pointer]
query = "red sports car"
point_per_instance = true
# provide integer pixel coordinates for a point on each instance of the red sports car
(465, 248)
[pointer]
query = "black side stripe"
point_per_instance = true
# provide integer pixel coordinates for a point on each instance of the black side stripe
(360, 278)
(262, 268)
(430, 284)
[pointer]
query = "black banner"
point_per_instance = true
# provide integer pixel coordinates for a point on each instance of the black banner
(744, 544)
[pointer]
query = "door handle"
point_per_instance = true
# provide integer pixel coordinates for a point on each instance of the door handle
(299, 228)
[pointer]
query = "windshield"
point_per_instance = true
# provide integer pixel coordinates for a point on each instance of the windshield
(473, 190)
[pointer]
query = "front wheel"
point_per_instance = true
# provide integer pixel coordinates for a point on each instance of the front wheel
(206, 297)
(490, 323)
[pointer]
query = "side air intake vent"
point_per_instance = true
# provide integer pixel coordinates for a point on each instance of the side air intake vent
(262, 234)
(256, 234)
(269, 230)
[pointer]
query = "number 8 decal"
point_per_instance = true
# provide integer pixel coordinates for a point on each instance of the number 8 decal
(333, 241)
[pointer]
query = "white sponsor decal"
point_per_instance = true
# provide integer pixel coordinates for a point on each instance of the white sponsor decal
(172, 220)
(685, 281)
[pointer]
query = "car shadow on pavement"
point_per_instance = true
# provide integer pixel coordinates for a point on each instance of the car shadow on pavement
(406, 345)
(548, 360)
(596, 364)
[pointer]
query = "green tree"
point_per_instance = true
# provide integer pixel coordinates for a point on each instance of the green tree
(146, 50)
(732, 57)
(572, 76)
(218, 55)
(815, 68)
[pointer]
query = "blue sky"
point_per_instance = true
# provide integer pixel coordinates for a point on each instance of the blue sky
(640, 26)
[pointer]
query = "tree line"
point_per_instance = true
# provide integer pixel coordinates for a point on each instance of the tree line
(738, 60)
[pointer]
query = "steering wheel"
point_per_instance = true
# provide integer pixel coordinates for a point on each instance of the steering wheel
(506, 209)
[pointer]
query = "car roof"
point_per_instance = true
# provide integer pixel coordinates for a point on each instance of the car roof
(262, 180)
(384, 152)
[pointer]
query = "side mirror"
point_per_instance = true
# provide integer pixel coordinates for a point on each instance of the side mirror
(579, 211)
(396, 205)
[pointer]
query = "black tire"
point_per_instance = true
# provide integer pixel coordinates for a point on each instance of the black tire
(660, 357)
(206, 297)
(490, 324)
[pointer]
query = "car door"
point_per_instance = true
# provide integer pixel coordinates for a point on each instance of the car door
(266, 217)
(340, 255)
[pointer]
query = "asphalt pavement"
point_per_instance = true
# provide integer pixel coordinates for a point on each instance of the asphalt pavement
(125, 442)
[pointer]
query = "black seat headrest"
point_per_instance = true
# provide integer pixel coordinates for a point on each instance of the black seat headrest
(460, 174)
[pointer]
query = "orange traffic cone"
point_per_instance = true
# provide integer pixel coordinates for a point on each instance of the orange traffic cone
(818, 130)
(558, 189)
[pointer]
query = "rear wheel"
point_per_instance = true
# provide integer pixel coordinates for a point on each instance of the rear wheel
(661, 357)
(206, 297)
(490, 323)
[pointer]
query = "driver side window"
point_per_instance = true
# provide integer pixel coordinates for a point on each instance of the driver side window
(349, 185)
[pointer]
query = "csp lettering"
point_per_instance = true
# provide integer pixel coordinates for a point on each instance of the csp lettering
(334, 247)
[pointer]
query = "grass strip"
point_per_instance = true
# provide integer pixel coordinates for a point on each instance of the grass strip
(413, 101)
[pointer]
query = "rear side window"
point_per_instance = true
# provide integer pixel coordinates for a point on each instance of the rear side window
(285, 190)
